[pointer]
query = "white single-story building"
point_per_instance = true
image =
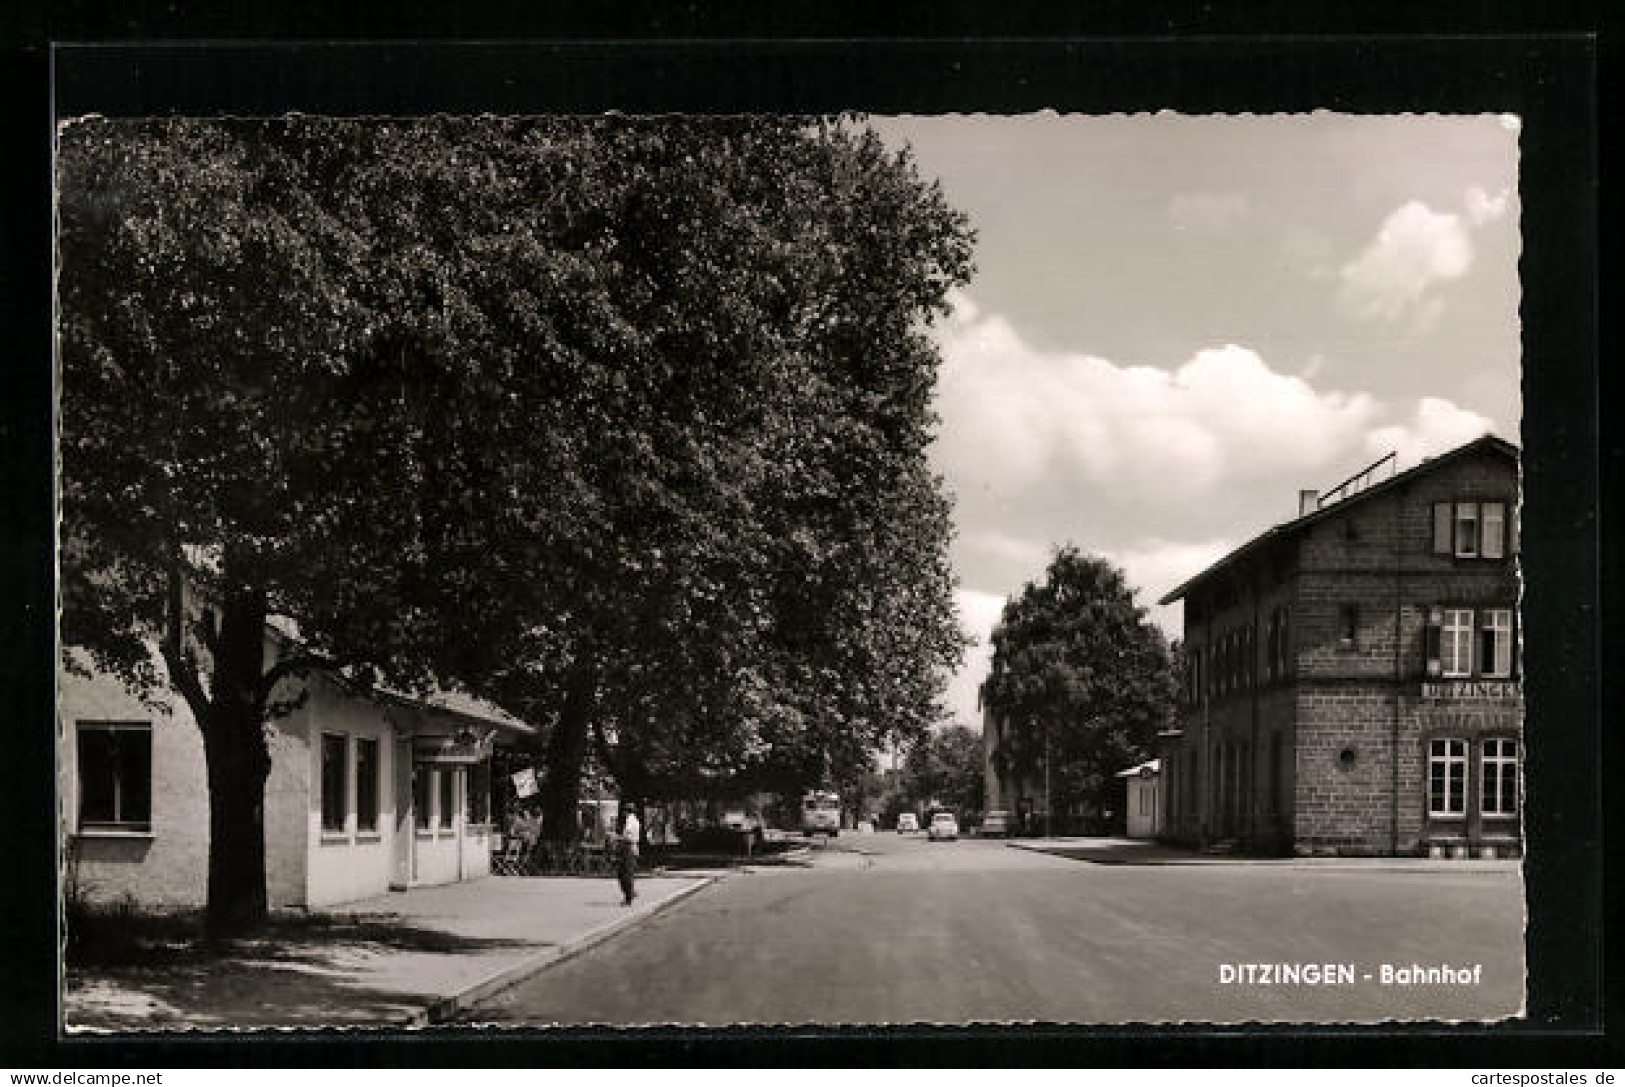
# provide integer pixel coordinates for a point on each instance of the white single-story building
(1144, 798)
(366, 793)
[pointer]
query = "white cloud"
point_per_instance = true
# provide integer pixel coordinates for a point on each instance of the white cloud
(1161, 471)
(1437, 426)
(1015, 417)
(1415, 249)
(978, 614)
(1483, 208)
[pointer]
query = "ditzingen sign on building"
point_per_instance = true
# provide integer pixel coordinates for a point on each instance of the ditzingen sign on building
(1459, 690)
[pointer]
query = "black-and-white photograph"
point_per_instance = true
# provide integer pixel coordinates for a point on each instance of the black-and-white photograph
(621, 570)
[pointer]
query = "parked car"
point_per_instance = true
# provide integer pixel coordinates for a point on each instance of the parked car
(996, 824)
(908, 823)
(944, 827)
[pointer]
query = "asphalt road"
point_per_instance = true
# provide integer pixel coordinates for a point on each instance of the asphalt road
(883, 929)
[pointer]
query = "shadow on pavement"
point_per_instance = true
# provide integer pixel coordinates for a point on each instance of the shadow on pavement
(303, 973)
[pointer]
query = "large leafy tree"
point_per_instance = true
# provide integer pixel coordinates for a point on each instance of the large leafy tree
(620, 422)
(945, 767)
(1081, 675)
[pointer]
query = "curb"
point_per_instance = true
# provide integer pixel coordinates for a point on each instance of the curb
(444, 1008)
(1329, 864)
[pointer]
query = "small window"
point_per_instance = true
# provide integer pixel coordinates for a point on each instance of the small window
(1442, 521)
(448, 796)
(1466, 530)
(335, 779)
(479, 793)
(1348, 624)
(1494, 527)
(1447, 777)
(1500, 778)
(1456, 642)
(420, 795)
(1495, 643)
(366, 784)
(115, 776)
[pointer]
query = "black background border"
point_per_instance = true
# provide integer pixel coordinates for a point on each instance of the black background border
(912, 58)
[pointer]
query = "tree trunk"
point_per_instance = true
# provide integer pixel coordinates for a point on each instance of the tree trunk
(561, 781)
(238, 763)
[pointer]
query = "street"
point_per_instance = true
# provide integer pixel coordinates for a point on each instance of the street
(894, 929)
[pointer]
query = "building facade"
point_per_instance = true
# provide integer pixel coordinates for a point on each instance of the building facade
(1352, 676)
(1142, 799)
(365, 792)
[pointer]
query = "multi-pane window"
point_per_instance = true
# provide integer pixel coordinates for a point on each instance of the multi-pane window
(366, 784)
(1495, 643)
(1456, 642)
(1447, 777)
(115, 776)
(335, 782)
(1499, 774)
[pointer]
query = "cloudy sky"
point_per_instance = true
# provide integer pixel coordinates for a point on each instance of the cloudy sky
(1177, 322)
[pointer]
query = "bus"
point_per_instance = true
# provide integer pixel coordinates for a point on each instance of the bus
(820, 813)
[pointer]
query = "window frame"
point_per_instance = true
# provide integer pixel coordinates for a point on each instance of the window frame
(1447, 646)
(367, 815)
(1348, 625)
(446, 797)
(1453, 757)
(1492, 622)
(117, 826)
(1461, 548)
(1498, 769)
(328, 827)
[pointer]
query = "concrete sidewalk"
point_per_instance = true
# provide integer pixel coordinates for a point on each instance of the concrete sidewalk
(404, 959)
(1142, 851)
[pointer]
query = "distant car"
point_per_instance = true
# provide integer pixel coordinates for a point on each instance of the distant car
(944, 827)
(996, 824)
(908, 823)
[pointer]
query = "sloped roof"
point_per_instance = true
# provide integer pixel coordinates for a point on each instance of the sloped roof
(1291, 528)
(1151, 765)
(442, 699)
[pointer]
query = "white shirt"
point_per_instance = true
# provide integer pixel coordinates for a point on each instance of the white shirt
(631, 830)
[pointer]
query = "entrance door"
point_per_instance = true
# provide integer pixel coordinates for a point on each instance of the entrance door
(404, 870)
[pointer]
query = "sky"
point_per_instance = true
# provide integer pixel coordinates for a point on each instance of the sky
(1178, 322)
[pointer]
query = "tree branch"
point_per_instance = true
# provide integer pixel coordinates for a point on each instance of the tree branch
(298, 664)
(183, 674)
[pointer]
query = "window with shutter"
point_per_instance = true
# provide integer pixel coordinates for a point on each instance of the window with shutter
(1494, 529)
(1442, 521)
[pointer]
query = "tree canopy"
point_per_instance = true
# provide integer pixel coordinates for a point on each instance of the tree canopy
(620, 422)
(1079, 672)
(945, 767)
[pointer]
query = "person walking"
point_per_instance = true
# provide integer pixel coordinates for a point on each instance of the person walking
(626, 857)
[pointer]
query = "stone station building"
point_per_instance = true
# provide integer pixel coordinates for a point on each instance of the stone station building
(1352, 676)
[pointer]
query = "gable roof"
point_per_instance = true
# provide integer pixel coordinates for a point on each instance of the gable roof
(442, 699)
(1288, 529)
